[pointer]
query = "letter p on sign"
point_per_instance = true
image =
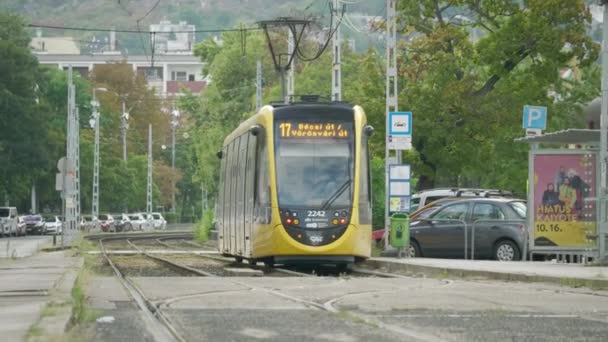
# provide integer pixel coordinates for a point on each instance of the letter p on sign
(535, 117)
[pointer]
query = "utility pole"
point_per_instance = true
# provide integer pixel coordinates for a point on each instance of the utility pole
(95, 123)
(124, 127)
(336, 74)
(34, 209)
(77, 160)
(258, 85)
(149, 185)
(391, 102)
(70, 228)
(603, 222)
(203, 199)
(290, 72)
(174, 123)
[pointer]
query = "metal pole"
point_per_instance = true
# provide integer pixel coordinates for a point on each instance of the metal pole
(77, 159)
(124, 128)
(34, 209)
(149, 185)
(391, 101)
(603, 223)
(173, 127)
(284, 86)
(336, 74)
(290, 72)
(69, 230)
(258, 86)
(95, 206)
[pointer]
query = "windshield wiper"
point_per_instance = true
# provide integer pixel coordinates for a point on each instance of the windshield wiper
(336, 194)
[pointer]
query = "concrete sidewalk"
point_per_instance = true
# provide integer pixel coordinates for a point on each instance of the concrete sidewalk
(564, 274)
(29, 285)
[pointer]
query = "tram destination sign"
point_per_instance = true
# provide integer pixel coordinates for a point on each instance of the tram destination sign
(296, 129)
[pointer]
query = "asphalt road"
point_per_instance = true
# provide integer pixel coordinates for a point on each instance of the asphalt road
(360, 309)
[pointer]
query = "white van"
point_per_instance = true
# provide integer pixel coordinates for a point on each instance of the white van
(8, 220)
(422, 198)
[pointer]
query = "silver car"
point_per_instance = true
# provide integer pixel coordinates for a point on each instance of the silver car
(138, 221)
(158, 221)
(53, 224)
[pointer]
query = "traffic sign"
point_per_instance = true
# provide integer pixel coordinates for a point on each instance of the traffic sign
(399, 188)
(399, 131)
(535, 117)
(400, 123)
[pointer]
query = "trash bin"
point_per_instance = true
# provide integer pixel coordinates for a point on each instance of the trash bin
(400, 230)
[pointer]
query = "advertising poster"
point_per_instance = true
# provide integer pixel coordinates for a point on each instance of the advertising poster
(564, 200)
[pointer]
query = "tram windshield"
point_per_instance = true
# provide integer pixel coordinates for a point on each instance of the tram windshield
(315, 171)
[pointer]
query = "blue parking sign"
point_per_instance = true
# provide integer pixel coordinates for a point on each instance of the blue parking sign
(535, 117)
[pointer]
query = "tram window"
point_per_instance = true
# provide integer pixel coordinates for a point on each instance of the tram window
(263, 182)
(365, 215)
(220, 208)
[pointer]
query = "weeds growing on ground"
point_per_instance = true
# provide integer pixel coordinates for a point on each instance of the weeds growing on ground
(204, 227)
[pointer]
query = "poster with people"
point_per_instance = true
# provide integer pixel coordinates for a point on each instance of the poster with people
(564, 199)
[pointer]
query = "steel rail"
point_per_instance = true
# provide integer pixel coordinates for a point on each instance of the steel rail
(172, 263)
(164, 331)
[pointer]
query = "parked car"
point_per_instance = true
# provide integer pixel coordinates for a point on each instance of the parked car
(34, 224)
(8, 221)
(106, 223)
(138, 221)
(53, 224)
(122, 223)
(158, 221)
(88, 222)
(500, 231)
(422, 198)
(423, 212)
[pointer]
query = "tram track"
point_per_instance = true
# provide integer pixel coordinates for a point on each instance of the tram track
(152, 315)
(155, 309)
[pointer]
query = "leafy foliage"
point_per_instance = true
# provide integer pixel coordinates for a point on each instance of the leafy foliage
(467, 93)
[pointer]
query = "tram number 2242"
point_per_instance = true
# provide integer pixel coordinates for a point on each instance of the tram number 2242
(316, 213)
(541, 227)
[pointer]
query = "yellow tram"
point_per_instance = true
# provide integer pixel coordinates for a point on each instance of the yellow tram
(295, 186)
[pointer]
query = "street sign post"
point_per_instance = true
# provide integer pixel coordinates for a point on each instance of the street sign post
(400, 131)
(534, 120)
(399, 188)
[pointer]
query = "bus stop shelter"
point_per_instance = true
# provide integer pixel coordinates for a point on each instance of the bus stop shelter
(564, 196)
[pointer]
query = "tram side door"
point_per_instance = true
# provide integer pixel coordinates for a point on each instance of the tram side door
(240, 202)
(234, 148)
(250, 193)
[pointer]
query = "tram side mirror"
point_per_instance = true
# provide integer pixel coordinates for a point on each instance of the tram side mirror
(369, 130)
(255, 130)
(220, 154)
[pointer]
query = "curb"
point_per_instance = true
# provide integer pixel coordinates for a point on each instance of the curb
(60, 303)
(432, 271)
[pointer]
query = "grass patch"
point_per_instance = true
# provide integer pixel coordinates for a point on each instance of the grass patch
(203, 227)
(588, 283)
(34, 331)
(81, 313)
(52, 308)
(347, 315)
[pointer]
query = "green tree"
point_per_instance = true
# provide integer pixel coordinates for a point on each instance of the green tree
(467, 91)
(23, 121)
